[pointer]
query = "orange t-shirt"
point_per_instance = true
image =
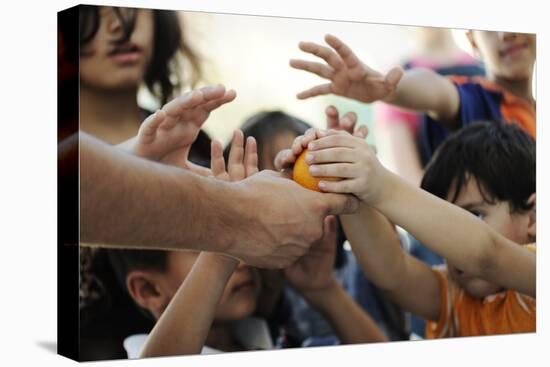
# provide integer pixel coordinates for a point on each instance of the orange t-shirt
(463, 315)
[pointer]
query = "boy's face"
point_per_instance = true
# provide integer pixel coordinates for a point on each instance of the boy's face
(514, 226)
(107, 64)
(241, 292)
(506, 55)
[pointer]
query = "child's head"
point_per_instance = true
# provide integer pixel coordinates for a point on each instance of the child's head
(123, 47)
(273, 131)
(489, 170)
(505, 54)
(153, 277)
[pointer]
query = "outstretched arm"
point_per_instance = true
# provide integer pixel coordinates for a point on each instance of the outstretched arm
(463, 239)
(466, 241)
(419, 90)
(312, 276)
(408, 282)
(184, 325)
(119, 192)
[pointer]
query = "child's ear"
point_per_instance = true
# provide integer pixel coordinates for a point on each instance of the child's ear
(532, 228)
(471, 39)
(145, 290)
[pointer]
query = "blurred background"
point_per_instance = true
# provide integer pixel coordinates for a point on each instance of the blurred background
(251, 54)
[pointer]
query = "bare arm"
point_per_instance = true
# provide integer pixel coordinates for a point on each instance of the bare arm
(426, 91)
(185, 324)
(421, 90)
(466, 241)
(408, 282)
(120, 191)
(352, 324)
(312, 276)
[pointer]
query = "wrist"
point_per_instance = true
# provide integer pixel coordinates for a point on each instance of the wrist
(387, 183)
(221, 200)
(236, 203)
(320, 298)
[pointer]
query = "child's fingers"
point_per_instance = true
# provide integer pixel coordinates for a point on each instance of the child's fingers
(346, 54)
(342, 170)
(251, 157)
(284, 159)
(333, 141)
(310, 135)
(323, 52)
(338, 187)
(226, 98)
(361, 132)
(188, 100)
(322, 70)
(330, 155)
(193, 98)
(217, 163)
(348, 121)
(332, 117)
(235, 165)
(296, 146)
(212, 92)
(149, 127)
(318, 90)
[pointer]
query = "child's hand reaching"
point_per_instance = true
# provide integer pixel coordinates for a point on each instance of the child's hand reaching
(167, 135)
(313, 272)
(339, 154)
(286, 158)
(242, 161)
(348, 76)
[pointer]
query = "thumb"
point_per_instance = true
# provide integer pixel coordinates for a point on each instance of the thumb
(394, 76)
(340, 203)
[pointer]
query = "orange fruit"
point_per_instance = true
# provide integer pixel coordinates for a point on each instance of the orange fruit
(300, 174)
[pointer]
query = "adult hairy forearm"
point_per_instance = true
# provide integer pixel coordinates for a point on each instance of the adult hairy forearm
(127, 201)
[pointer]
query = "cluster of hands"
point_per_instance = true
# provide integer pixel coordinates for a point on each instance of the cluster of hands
(339, 151)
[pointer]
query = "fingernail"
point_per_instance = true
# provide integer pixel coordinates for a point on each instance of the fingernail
(313, 169)
(309, 157)
(322, 185)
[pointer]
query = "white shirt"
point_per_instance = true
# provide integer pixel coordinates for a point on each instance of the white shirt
(252, 333)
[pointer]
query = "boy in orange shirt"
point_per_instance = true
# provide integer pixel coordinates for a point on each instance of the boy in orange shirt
(488, 171)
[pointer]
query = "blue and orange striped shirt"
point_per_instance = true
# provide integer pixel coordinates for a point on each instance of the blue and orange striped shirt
(480, 100)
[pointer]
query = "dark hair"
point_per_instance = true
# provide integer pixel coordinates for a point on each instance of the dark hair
(264, 126)
(200, 150)
(163, 76)
(501, 157)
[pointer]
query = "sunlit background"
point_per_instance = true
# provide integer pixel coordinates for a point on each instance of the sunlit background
(251, 54)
